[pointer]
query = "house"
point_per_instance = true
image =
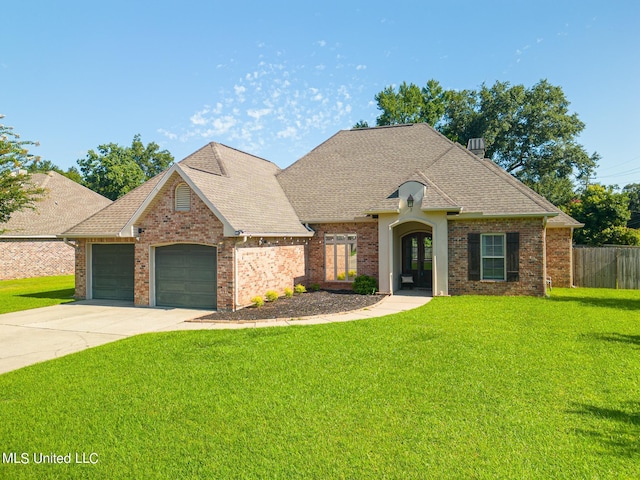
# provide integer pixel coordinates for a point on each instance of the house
(403, 204)
(29, 246)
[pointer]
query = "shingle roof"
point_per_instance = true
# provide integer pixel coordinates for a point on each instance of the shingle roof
(348, 174)
(240, 188)
(64, 204)
(111, 220)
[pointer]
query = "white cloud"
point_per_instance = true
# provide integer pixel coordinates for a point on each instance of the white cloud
(361, 67)
(322, 43)
(289, 132)
(257, 114)
(166, 133)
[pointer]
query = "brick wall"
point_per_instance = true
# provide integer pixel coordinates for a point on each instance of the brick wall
(268, 264)
(367, 250)
(163, 225)
(26, 258)
(532, 257)
(560, 256)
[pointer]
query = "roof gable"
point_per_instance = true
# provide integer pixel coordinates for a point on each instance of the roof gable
(239, 188)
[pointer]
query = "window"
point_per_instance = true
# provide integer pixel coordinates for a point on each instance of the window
(183, 198)
(341, 257)
(493, 251)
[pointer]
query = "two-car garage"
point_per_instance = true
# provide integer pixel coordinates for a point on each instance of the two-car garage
(185, 275)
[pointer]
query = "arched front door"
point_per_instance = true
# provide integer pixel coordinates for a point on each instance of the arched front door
(417, 258)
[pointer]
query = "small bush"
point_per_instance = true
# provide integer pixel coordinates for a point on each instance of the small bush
(314, 287)
(288, 292)
(365, 285)
(299, 288)
(271, 295)
(257, 301)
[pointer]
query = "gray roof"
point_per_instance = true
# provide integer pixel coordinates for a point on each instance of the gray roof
(354, 172)
(239, 188)
(65, 203)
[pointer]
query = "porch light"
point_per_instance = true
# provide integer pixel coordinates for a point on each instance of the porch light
(410, 201)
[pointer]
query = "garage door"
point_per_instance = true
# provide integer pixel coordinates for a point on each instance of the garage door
(112, 271)
(186, 276)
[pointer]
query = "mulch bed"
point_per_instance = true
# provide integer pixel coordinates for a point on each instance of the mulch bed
(300, 305)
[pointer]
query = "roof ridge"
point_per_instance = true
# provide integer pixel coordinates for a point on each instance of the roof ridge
(441, 192)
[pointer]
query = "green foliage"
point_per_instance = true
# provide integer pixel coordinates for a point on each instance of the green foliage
(528, 131)
(410, 104)
(299, 288)
(44, 166)
(114, 170)
(288, 292)
(315, 287)
(16, 190)
(365, 285)
(361, 124)
(605, 214)
(271, 295)
(464, 387)
(257, 301)
(633, 192)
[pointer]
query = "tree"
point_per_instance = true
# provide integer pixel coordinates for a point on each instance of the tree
(361, 124)
(16, 191)
(411, 104)
(114, 170)
(528, 131)
(605, 214)
(633, 191)
(44, 166)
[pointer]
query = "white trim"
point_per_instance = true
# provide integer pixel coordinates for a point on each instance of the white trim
(503, 257)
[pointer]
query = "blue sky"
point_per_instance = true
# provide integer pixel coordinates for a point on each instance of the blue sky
(278, 78)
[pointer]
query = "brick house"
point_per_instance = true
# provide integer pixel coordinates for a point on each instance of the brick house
(29, 246)
(403, 204)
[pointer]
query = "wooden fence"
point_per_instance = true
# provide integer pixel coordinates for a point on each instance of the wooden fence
(606, 267)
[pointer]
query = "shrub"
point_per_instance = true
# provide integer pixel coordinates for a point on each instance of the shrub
(257, 301)
(288, 292)
(314, 287)
(271, 295)
(365, 285)
(299, 288)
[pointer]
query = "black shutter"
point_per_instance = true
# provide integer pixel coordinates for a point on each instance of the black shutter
(473, 250)
(513, 257)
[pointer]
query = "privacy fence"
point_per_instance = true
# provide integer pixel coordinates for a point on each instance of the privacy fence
(606, 267)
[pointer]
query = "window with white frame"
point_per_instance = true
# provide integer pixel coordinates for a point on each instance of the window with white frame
(340, 257)
(183, 198)
(493, 262)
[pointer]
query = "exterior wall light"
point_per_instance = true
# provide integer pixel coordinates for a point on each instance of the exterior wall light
(410, 201)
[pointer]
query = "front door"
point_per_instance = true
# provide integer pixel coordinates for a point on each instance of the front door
(417, 258)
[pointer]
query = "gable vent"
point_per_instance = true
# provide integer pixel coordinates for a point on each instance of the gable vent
(183, 198)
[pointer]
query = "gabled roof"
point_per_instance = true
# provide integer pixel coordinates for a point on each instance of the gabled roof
(64, 204)
(345, 177)
(240, 189)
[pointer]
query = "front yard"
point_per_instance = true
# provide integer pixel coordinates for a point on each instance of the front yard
(465, 387)
(27, 293)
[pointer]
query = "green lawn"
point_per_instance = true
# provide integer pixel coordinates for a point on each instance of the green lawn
(26, 293)
(464, 387)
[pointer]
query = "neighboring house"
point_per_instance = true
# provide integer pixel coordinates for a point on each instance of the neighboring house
(29, 246)
(403, 204)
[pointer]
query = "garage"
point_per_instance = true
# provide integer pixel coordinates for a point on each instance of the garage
(186, 276)
(112, 271)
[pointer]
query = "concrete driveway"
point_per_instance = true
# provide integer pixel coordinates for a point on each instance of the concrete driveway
(33, 336)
